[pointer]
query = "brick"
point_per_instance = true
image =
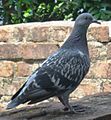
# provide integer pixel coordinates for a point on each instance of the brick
(109, 70)
(10, 33)
(26, 33)
(97, 51)
(90, 74)
(9, 51)
(101, 69)
(14, 87)
(84, 90)
(26, 51)
(109, 51)
(58, 33)
(23, 69)
(100, 34)
(4, 81)
(5, 34)
(107, 87)
(11, 89)
(6, 69)
(39, 33)
(17, 34)
(37, 51)
(36, 65)
(33, 33)
(93, 52)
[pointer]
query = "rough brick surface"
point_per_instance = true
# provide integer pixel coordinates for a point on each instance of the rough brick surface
(99, 33)
(23, 69)
(101, 69)
(10, 87)
(109, 51)
(93, 52)
(107, 87)
(58, 33)
(85, 89)
(37, 51)
(40, 33)
(4, 34)
(26, 51)
(31, 33)
(10, 51)
(6, 69)
(97, 51)
(109, 70)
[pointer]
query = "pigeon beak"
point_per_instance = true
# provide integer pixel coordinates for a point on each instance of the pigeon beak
(95, 21)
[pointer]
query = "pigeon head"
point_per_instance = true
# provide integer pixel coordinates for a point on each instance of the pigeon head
(85, 19)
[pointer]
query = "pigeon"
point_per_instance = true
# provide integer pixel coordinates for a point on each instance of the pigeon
(62, 72)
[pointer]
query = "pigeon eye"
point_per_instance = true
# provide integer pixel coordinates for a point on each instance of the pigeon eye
(86, 18)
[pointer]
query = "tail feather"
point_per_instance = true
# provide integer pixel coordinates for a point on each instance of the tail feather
(13, 103)
(41, 98)
(33, 97)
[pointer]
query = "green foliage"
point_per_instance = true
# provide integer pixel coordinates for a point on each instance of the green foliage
(18, 11)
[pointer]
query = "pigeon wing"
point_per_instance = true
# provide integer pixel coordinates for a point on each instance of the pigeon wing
(56, 74)
(60, 72)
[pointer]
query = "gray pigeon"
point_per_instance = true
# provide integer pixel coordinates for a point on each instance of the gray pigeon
(60, 73)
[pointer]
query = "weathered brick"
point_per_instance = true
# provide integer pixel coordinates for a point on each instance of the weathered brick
(90, 74)
(33, 33)
(93, 52)
(23, 69)
(26, 33)
(109, 70)
(6, 69)
(9, 51)
(40, 33)
(26, 51)
(99, 33)
(17, 34)
(37, 51)
(107, 87)
(36, 65)
(5, 34)
(58, 33)
(97, 51)
(10, 33)
(101, 69)
(11, 89)
(109, 51)
(4, 82)
(85, 89)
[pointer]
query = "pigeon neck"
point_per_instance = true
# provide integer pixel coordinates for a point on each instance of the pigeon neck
(77, 39)
(79, 31)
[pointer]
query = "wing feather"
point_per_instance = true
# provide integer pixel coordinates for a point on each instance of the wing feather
(57, 74)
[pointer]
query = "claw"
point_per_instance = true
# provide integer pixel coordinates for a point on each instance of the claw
(71, 110)
(79, 108)
(65, 109)
(75, 109)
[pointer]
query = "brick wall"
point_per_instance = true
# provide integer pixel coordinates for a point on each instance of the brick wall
(23, 48)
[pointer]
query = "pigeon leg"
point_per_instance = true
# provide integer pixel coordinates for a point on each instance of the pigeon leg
(62, 101)
(65, 101)
(74, 109)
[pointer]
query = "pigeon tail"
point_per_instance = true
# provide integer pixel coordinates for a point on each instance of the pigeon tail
(13, 103)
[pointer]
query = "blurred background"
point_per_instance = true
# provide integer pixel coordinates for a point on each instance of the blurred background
(22, 11)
